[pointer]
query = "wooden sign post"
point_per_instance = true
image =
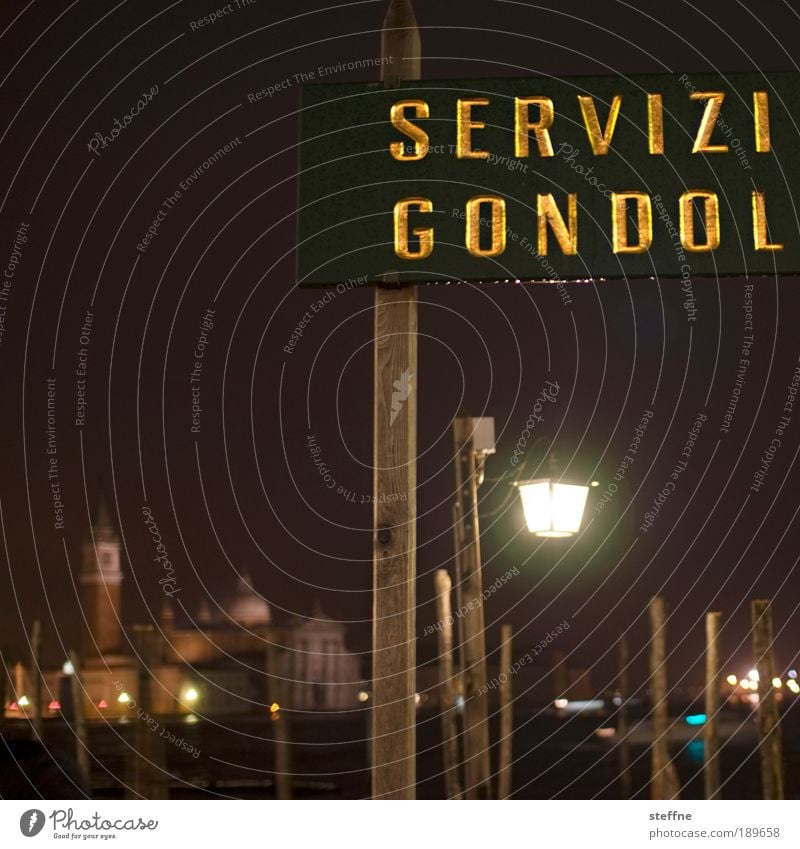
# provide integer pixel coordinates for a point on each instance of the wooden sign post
(395, 474)
(711, 770)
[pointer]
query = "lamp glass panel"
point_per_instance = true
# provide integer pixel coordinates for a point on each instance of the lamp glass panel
(568, 502)
(536, 505)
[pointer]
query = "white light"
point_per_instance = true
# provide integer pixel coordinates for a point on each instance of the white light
(732, 680)
(190, 695)
(793, 686)
(23, 701)
(753, 675)
(595, 483)
(560, 704)
(553, 509)
(363, 695)
(123, 698)
(68, 668)
(745, 683)
(776, 682)
(792, 673)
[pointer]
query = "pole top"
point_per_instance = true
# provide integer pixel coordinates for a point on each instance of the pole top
(400, 44)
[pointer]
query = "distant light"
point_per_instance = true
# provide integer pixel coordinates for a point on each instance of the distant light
(13, 706)
(605, 733)
(123, 698)
(617, 700)
(776, 682)
(753, 675)
(23, 701)
(68, 668)
(792, 673)
(191, 718)
(54, 705)
(595, 483)
(363, 696)
(560, 704)
(793, 686)
(275, 716)
(274, 707)
(732, 680)
(753, 698)
(745, 684)
(102, 704)
(191, 695)
(696, 719)
(459, 701)
(417, 699)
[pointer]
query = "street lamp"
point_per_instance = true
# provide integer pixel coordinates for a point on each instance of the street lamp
(552, 508)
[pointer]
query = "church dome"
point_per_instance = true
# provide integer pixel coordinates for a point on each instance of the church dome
(247, 607)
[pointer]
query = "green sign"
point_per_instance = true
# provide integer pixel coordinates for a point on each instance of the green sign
(542, 179)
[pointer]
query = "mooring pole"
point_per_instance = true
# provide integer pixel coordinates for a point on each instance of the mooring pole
(394, 484)
(770, 745)
(444, 616)
(506, 715)
(79, 721)
(664, 782)
(623, 743)
(711, 771)
(36, 679)
(477, 769)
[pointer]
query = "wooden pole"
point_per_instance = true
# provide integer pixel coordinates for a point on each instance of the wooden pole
(623, 743)
(477, 768)
(148, 774)
(444, 618)
(36, 680)
(711, 770)
(506, 715)
(394, 485)
(4, 673)
(664, 782)
(79, 722)
(280, 723)
(770, 746)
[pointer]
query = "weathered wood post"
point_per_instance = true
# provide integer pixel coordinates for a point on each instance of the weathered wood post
(506, 715)
(623, 743)
(79, 721)
(444, 624)
(770, 746)
(664, 782)
(148, 777)
(36, 680)
(277, 693)
(477, 769)
(395, 473)
(711, 770)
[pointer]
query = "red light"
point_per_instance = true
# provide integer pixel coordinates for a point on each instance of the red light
(13, 706)
(54, 705)
(102, 704)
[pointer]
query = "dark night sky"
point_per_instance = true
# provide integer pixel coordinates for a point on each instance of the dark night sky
(244, 492)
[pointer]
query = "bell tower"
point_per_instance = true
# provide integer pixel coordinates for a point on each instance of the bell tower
(101, 588)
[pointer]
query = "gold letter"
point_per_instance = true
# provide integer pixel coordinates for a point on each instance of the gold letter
(710, 214)
(710, 115)
(540, 128)
(415, 133)
(600, 141)
(761, 118)
(424, 234)
(655, 123)
(464, 127)
(619, 222)
(760, 224)
(548, 214)
(473, 233)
